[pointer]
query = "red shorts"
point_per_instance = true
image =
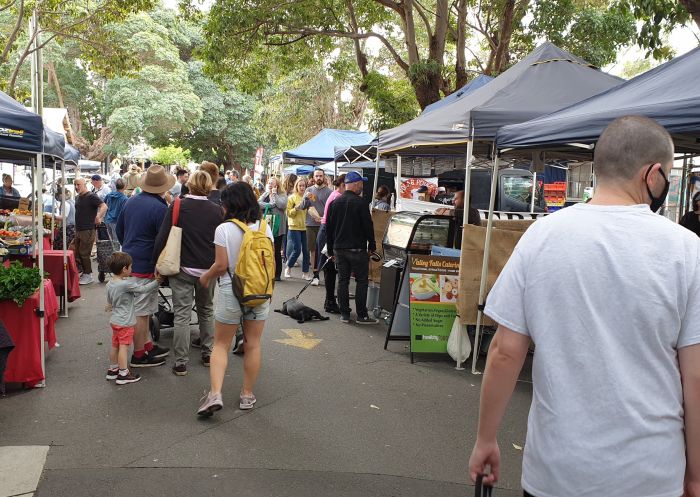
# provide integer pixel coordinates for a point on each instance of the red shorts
(122, 335)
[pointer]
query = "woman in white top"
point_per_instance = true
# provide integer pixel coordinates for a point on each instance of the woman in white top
(239, 202)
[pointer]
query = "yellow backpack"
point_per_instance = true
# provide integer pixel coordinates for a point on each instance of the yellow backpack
(255, 269)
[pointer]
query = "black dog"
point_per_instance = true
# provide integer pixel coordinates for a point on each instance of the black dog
(295, 309)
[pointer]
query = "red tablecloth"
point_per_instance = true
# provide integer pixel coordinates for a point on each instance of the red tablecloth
(53, 264)
(24, 364)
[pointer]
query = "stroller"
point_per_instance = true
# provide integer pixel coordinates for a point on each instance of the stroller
(105, 248)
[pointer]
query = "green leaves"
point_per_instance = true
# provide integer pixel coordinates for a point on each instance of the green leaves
(18, 283)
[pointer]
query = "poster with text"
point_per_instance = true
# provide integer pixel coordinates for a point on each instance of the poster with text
(434, 287)
(411, 188)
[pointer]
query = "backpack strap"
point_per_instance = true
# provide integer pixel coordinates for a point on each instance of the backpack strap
(240, 224)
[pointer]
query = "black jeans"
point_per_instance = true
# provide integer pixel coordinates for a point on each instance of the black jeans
(525, 494)
(329, 272)
(349, 262)
(278, 256)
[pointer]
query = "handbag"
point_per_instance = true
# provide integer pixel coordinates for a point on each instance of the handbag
(169, 259)
(272, 220)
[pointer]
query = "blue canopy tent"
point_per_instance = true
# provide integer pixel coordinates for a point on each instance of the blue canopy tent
(71, 155)
(299, 170)
(321, 148)
(474, 84)
(21, 131)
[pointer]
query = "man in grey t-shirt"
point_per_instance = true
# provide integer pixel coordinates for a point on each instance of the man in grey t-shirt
(315, 196)
(607, 291)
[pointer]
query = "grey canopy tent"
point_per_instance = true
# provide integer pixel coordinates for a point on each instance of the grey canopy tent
(474, 84)
(668, 94)
(546, 80)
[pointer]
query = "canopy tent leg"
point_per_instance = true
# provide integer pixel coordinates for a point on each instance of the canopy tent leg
(485, 265)
(467, 205)
(376, 179)
(65, 245)
(335, 168)
(534, 192)
(398, 182)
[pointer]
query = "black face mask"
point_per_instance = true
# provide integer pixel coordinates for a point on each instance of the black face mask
(657, 202)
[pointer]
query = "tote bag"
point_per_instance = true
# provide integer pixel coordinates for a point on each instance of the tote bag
(168, 263)
(272, 220)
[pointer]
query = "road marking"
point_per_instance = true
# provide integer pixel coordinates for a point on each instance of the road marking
(21, 469)
(298, 338)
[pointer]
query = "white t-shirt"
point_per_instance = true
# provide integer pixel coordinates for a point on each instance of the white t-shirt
(231, 236)
(608, 294)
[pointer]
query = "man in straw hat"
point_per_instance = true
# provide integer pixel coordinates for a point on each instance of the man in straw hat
(137, 228)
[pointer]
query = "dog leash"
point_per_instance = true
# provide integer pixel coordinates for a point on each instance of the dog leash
(311, 281)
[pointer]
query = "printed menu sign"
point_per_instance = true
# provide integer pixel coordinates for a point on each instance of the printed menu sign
(434, 286)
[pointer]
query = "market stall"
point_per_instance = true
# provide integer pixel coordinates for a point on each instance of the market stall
(23, 139)
(546, 80)
(668, 94)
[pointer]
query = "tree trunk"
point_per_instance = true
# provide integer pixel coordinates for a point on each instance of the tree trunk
(693, 8)
(499, 59)
(461, 63)
(427, 90)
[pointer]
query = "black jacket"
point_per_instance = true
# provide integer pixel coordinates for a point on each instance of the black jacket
(198, 220)
(349, 224)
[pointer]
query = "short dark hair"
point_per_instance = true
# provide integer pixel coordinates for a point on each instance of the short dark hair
(382, 191)
(221, 183)
(181, 172)
(118, 261)
(696, 199)
(120, 184)
(629, 144)
(240, 203)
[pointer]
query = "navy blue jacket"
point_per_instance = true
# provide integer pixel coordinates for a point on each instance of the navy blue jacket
(137, 228)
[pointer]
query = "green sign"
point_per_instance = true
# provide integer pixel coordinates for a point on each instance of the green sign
(434, 287)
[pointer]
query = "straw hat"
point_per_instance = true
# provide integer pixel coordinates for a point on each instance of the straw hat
(134, 168)
(156, 180)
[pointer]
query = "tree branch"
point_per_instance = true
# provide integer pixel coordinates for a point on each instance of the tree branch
(338, 34)
(395, 6)
(359, 54)
(421, 12)
(9, 5)
(15, 32)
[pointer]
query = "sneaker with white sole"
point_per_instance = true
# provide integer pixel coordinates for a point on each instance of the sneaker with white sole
(112, 374)
(306, 276)
(129, 377)
(287, 272)
(314, 282)
(366, 320)
(86, 279)
(247, 402)
(209, 404)
(344, 319)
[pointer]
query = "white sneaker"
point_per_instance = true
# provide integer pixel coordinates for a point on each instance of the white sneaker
(314, 282)
(287, 272)
(306, 276)
(86, 279)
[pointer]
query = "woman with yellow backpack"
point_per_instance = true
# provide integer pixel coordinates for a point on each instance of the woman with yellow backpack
(245, 266)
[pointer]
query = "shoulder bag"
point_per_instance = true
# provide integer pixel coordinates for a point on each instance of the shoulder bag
(169, 259)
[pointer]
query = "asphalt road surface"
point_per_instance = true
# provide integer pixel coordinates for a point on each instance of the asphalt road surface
(337, 416)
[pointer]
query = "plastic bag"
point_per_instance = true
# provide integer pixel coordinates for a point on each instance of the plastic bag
(458, 345)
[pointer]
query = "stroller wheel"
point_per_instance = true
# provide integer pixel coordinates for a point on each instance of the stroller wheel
(377, 312)
(154, 328)
(101, 277)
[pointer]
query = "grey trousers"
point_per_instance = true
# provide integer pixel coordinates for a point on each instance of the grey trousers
(186, 290)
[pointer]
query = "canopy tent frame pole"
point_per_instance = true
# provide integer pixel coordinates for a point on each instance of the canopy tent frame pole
(64, 218)
(53, 206)
(38, 108)
(485, 264)
(376, 180)
(467, 205)
(534, 192)
(398, 182)
(335, 168)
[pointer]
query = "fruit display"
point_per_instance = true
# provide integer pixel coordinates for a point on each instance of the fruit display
(10, 234)
(22, 212)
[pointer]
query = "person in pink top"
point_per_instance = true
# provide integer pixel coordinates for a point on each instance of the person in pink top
(329, 272)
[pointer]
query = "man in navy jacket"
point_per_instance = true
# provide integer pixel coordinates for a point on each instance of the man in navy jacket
(137, 228)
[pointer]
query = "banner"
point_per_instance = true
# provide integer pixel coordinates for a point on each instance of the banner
(434, 290)
(380, 220)
(409, 187)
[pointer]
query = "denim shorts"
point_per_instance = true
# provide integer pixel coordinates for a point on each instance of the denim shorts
(229, 311)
